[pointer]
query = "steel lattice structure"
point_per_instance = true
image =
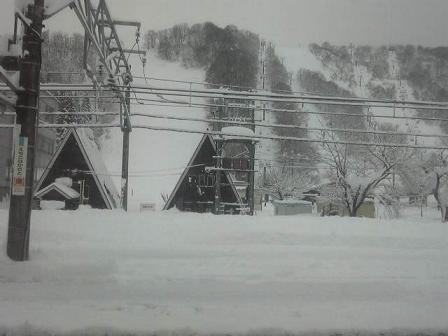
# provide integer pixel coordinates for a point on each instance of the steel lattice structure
(101, 35)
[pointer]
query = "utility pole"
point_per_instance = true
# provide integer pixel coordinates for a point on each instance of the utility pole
(251, 177)
(27, 116)
(125, 158)
(219, 147)
(251, 193)
(217, 126)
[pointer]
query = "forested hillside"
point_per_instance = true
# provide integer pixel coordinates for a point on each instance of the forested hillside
(231, 58)
(229, 55)
(394, 72)
(425, 69)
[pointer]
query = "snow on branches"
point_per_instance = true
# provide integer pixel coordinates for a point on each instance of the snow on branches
(358, 171)
(428, 174)
(283, 182)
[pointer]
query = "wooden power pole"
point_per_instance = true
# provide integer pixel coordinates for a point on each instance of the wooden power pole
(25, 137)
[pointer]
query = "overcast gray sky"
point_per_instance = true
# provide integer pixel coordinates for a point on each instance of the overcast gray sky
(290, 22)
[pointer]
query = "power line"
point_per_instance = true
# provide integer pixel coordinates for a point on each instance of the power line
(210, 93)
(248, 137)
(148, 173)
(270, 125)
(257, 137)
(243, 123)
(297, 111)
(343, 114)
(273, 97)
(268, 109)
(229, 86)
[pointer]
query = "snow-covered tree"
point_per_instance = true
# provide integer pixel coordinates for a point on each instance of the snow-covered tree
(357, 171)
(440, 190)
(281, 182)
(72, 104)
(434, 170)
(414, 178)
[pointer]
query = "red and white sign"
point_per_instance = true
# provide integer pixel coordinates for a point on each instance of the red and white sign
(19, 168)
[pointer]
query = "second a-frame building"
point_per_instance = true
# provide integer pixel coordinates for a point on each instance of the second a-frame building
(78, 160)
(195, 190)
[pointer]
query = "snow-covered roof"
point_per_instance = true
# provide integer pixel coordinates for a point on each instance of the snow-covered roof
(237, 133)
(65, 191)
(101, 173)
(157, 159)
(93, 158)
(292, 201)
(67, 181)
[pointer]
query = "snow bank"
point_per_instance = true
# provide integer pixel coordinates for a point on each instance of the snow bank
(218, 274)
(52, 205)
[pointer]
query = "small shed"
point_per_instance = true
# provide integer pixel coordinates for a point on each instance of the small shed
(78, 159)
(291, 207)
(326, 208)
(58, 191)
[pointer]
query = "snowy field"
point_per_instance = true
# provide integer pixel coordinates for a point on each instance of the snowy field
(145, 272)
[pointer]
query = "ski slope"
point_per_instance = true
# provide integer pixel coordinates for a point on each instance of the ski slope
(96, 271)
(296, 58)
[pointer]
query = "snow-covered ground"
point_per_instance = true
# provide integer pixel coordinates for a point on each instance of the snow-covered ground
(202, 273)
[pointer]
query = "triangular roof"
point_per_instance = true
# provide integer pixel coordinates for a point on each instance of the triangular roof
(205, 138)
(67, 192)
(93, 160)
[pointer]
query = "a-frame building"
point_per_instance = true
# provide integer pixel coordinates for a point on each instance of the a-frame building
(195, 190)
(78, 158)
